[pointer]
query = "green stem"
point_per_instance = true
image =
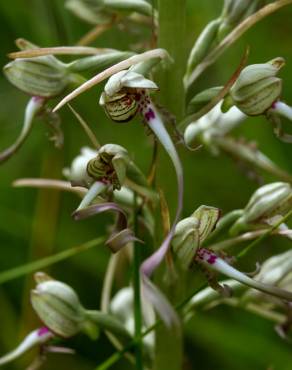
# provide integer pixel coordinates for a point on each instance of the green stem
(108, 322)
(171, 36)
(119, 354)
(137, 294)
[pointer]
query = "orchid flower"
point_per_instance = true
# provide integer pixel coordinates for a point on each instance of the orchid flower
(213, 131)
(214, 263)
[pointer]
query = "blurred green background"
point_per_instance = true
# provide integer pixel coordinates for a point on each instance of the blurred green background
(35, 223)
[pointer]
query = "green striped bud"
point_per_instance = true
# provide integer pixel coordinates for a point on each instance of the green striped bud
(43, 76)
(102, 12)
(129, 6)
(268, 201)
(90, 11)
(257, 87)
(58, 306)
(191, 232)
(234, 12)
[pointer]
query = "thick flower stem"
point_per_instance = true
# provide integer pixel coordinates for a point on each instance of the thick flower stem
(171, 36)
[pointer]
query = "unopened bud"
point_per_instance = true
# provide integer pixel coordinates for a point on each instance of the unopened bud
(268, 201)
(43, 76)
(203, 98)
(234, 12)
(203, 44)
(90, 11)
(191, 232)
(58, 306)
(257, 87)
(276, 270)
(102, 12)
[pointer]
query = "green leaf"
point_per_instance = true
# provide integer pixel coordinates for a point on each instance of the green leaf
(30, 267)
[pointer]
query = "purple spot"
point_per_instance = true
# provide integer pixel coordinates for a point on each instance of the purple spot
(207, 255)
(149, 115)
(212, 259)
(43, 331)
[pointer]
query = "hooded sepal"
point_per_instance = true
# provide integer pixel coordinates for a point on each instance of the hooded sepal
(191, 232)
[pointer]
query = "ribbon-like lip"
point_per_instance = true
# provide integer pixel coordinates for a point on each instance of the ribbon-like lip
(214, 262)
(122, 235)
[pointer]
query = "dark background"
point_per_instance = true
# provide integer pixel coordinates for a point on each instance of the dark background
(35, 223)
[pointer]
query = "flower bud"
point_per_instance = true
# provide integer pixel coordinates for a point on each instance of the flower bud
(77, 173)
(129, 6)
(268, 201)
(203, 44)
(203, 98)
(275, 268)
(90, 11)
(191, 232)
(257, 87)
(186, 241)
(234, 11)
(43, 76)
(109, 165)
(58, 306)
(103, 12)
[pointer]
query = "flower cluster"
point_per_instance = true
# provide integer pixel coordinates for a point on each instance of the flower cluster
(107, 179)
